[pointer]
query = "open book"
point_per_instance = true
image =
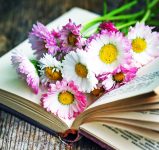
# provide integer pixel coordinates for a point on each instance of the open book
(127, 116)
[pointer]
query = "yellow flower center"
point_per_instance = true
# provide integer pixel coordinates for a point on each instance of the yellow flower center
(119, 77)
(81, 70)
(108, 53)
(139, 45)
(53, 75)
(72, 39)
(66, 98)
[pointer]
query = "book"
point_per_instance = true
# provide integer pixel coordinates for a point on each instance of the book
(125, 117)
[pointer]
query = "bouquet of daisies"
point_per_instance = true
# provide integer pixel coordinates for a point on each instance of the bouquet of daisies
(71, 65)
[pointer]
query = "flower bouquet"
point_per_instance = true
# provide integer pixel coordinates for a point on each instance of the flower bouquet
(76, 62)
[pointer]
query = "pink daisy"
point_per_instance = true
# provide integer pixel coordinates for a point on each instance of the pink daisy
(117, 78)
(42, 40)
(70, 37)
(26, 70)
(64, 100)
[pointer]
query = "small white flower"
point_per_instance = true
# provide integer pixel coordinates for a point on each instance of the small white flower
(77, 66)
(50, 69)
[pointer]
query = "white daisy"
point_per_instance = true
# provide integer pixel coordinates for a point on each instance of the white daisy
(109, 51)
(50, 69)
(77, 66)
(144, 44)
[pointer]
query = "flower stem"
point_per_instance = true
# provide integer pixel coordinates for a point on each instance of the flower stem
(153, 3)
(36, 65)
(121, 9)
(104, 7)
(91, 23)
(146, 16)
(126, 24)
(111, 18)
(105, 17)
(129, 16)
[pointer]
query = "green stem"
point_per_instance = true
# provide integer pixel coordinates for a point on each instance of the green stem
(116, 11)
(147, 3)
(105, 7)
(104, 18)
(91, 23)
(36, 65)
(121, 9)
(153, 3)
(110, 16)
(129, 16)
(126, 24)
(146, 16)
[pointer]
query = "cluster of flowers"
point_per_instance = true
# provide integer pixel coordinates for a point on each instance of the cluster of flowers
(71, 67)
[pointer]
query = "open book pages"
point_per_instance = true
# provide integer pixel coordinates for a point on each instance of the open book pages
(137, 95)
(9, 80)
(117, 137)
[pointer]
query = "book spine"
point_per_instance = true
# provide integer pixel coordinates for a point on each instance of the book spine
(95, 140)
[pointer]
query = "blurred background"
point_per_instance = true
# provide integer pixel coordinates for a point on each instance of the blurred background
(17, 18)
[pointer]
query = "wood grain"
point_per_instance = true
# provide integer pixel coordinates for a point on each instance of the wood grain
(16, 134)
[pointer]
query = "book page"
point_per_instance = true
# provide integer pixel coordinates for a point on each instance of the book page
(146, 81)
(135, 123)
(151, 116)
(119, 139)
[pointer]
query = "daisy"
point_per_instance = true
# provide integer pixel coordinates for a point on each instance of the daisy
(118, 77)
(70, 37)
(144, 44)
(64, 100)
(26, 70)
(50, 69)
(77, 66)
(109, 51)
(42, 41)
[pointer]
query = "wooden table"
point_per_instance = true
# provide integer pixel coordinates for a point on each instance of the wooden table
(16, 20)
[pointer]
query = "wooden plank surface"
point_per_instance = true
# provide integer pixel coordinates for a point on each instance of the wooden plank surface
(16, 134)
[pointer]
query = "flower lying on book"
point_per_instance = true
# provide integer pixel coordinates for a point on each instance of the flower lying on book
(71, 66)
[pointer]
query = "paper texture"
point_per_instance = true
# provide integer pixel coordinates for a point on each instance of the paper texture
(119, 139)
(151, 116)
